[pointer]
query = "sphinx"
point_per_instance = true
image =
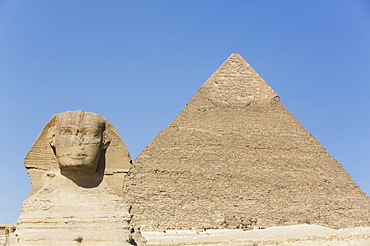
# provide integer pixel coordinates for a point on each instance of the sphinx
(77, 167)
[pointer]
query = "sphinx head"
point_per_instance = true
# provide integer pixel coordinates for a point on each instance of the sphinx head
(78, 139)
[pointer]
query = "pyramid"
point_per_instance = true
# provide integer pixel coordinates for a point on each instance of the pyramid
(236, 155)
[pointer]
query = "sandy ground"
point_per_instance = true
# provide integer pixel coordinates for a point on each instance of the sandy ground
(298, 235)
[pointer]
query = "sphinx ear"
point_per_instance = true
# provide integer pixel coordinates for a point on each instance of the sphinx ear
(51, 136)
(107, 138)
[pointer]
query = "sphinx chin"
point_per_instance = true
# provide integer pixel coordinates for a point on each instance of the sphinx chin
(77, 163)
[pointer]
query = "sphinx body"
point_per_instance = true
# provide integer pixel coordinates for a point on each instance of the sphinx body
(76, 167)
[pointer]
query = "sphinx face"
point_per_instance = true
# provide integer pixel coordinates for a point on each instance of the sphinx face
(78, 140)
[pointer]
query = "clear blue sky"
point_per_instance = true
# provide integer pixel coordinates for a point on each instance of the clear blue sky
(138, 63)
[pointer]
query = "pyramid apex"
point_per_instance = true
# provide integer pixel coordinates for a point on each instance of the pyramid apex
(235, 54)
(236, 82)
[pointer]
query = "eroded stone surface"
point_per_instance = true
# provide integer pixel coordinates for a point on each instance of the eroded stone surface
(235, 155)
(76, 167)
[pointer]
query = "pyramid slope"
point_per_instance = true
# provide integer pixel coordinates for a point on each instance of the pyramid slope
(236, 155)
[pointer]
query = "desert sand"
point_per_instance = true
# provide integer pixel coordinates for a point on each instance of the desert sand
(299, 235)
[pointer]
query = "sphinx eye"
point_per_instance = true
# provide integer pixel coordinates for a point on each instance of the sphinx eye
(65, 131)
(91, 133)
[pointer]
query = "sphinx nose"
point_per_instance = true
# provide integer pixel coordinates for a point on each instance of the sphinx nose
(78, 141)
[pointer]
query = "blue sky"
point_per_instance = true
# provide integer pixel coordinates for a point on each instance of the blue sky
(137, 63)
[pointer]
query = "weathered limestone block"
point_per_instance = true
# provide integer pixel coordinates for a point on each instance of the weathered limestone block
(76, 167)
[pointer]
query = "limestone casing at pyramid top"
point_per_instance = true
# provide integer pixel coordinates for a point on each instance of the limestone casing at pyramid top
(236, 82)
